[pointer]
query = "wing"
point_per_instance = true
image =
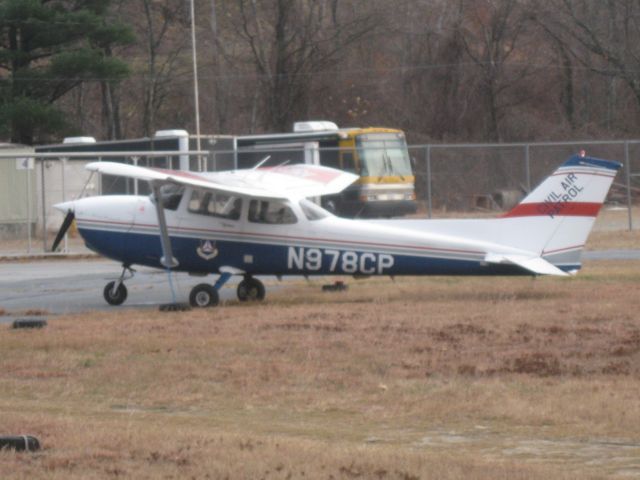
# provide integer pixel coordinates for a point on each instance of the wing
(290, 181)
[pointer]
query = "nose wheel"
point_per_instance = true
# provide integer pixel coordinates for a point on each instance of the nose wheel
(250, 289)
(115, 293)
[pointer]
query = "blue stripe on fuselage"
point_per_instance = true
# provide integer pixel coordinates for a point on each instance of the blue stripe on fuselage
(261, 259)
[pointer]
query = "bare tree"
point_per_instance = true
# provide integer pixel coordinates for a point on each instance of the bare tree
(431, 54)
(291, 40)
(164, 24)
(490, 35)
(603, 37)
(498, 70)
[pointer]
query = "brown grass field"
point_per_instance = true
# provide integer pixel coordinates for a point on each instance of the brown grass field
(427, 378)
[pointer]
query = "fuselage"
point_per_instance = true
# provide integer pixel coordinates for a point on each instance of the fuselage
(303, 240)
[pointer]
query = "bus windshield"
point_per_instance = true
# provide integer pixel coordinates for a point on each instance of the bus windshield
(383, 155)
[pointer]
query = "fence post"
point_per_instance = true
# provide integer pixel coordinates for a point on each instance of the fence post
(63, 167)
(428, 181)
(44, 208)
(135, 160)
(628, 172)
(98, 179)
(29, 205)
(527, 168)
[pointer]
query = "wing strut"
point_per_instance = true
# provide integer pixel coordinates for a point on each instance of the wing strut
(167, 260)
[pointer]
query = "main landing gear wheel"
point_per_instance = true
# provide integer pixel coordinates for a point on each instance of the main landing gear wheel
(115, 296)
(203, 295)
(250, 289)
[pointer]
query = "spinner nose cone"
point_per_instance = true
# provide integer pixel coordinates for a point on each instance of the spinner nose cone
(65, 207)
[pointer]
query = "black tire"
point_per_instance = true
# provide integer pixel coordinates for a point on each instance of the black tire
(116, 298)
(29, 323)
(250, 290)
(19, 443)
(203, 295)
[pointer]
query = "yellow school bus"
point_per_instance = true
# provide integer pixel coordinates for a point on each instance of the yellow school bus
(379, 156)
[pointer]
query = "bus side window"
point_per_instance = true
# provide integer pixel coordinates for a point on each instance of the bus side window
(330, 158)
(348, 164)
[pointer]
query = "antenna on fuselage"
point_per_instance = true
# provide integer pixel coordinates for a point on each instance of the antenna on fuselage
(261, 162)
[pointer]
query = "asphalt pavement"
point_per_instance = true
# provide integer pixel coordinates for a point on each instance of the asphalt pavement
(53, 287)
(65, 285)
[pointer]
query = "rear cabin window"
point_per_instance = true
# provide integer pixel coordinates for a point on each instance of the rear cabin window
(215, 204)
(272, 212)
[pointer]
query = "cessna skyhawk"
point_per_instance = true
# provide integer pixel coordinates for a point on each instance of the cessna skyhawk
(263, 222)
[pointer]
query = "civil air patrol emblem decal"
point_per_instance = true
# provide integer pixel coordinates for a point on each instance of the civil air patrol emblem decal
(207, 250)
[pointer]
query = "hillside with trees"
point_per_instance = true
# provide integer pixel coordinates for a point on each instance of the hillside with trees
(464, 70)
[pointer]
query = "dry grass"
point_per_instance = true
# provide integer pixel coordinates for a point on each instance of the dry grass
(613, 240)
(425, 378)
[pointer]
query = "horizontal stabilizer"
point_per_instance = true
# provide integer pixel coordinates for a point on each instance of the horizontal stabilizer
(537, 265)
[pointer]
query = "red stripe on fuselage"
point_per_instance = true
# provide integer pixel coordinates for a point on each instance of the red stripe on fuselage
(553, 209)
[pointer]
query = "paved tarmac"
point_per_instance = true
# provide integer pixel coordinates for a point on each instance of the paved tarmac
(611, 255)
(60, 286)
(76, 285)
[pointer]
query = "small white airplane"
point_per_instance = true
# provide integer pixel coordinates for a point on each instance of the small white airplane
(261, 222)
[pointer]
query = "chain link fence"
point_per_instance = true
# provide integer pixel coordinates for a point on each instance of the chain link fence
(476, 177)
(450, 180)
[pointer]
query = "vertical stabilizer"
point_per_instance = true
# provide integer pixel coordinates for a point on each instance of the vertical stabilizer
(561, 211)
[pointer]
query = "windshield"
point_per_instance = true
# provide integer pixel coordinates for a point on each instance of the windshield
(313, 211)
(384, 155)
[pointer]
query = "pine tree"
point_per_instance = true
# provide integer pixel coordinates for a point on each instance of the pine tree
(48, 48)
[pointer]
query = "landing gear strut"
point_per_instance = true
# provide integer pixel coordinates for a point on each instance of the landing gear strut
(115, 293)
(250, 289)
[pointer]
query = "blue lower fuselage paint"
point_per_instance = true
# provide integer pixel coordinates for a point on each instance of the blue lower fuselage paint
(208, 255)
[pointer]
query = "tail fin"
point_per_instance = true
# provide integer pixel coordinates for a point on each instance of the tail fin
(561, 211)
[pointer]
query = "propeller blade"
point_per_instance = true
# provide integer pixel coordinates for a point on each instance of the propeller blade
(63, 229)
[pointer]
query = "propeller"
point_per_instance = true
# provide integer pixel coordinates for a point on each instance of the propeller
(63, 229)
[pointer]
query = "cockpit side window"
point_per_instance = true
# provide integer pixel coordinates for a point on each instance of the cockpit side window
(170, 195)
(272, 212)
(214, 204)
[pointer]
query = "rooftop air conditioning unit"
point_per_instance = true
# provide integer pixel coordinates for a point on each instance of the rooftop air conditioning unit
(315, 126)
(78, 140)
